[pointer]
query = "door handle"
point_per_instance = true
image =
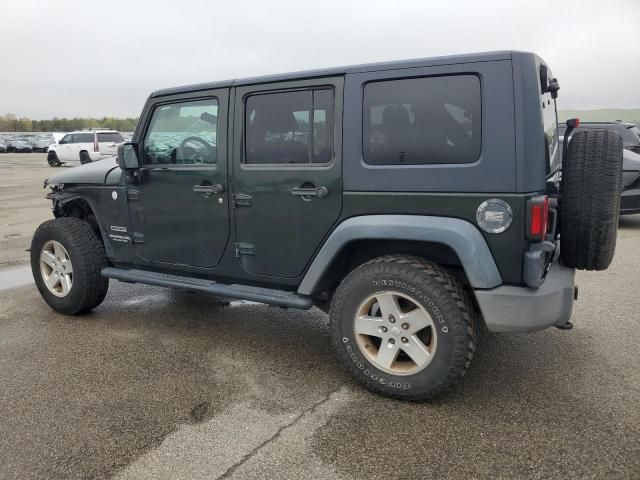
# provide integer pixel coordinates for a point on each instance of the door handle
(208, 190)
(308, 192)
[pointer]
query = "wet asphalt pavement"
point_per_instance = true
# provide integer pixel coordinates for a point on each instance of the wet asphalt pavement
(161, 384)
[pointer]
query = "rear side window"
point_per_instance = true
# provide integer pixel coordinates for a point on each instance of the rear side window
(550, 122)
(83, 138)
(110, 137)
(421, 121)
(289, 127)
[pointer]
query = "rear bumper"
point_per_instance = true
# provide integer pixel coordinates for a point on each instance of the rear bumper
(630, 201)
(522, 309)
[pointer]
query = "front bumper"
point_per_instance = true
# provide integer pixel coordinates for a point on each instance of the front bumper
(522, 309)
(630, 201)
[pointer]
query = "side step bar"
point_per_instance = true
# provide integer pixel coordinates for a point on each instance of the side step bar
(280, 298)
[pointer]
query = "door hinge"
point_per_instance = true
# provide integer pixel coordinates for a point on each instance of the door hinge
(133, 195)
(137, 237)
(243, 248)
(242, 200)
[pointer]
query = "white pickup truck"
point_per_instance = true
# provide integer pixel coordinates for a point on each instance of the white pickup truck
(84, 146)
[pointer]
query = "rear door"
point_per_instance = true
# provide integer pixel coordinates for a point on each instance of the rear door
(81, 141)
(287, 172)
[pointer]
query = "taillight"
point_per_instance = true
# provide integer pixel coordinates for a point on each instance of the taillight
(96, 147)
(538, 217)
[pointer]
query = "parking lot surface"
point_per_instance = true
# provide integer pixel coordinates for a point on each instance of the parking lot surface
(162, 384)
(22, 203)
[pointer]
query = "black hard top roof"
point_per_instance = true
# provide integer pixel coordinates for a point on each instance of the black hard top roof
(327, 72)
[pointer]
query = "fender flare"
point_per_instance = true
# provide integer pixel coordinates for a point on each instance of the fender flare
(460, 235)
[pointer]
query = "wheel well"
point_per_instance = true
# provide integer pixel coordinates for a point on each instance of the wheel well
(78, 208)
(359, 252)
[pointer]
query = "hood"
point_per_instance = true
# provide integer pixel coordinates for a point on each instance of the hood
(91, 173)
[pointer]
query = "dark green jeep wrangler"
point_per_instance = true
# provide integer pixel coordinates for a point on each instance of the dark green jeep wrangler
(416, 202)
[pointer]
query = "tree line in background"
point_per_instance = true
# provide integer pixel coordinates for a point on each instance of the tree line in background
(11, 123)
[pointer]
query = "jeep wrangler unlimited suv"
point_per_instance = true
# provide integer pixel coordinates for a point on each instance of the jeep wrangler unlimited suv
(416, 202)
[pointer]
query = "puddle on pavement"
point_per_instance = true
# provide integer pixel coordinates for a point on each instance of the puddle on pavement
(11, 277)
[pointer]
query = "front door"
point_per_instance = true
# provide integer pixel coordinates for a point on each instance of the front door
(287, 165)
(179, 206)
(63, 150)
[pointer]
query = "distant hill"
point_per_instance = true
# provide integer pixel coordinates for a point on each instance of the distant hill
(603, 115)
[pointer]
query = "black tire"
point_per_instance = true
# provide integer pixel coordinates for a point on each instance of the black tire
(591, 186)
(84, 157)
(438, 293)
(52, 159)
(87, 256)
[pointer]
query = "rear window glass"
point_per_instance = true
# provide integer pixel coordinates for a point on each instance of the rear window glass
(418, 121)
(289, 127)
(110, 137)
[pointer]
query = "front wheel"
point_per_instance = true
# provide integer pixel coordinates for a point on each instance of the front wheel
(404, 327)
(66, 260)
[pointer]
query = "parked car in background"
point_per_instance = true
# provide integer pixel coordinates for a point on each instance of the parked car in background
(20, 146)
(42, 142)
(3, 147)
(630, 196)
(628, 131)
(84, 146)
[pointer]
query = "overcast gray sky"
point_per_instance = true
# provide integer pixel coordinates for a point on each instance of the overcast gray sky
(87, 58)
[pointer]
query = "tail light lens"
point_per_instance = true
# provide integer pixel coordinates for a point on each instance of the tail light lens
(96, 147)
(538, 217)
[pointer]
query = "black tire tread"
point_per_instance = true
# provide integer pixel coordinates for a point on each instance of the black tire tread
(591, 185)
(456, 297)
(91, 259)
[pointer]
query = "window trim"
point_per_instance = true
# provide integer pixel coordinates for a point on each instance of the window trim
(364, 116)
(147, 127)
(289, 166)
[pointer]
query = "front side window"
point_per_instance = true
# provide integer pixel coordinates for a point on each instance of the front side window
(289, 127)
(183, 134)
(420, 121)
(66, 139)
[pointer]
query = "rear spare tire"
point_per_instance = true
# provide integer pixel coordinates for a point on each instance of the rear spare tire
(591, 185)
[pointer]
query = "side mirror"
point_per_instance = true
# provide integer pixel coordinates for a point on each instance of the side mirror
(128, 156)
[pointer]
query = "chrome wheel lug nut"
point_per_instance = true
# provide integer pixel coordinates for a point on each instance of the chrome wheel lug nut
(405, 340)
(392, 319)
(405, 326)
(392, 341)
(383, 329)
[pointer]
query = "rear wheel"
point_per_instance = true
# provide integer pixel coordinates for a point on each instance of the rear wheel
(403, 327)
(52, 159)
(84, 157)
(66, 260)
(591, 185)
